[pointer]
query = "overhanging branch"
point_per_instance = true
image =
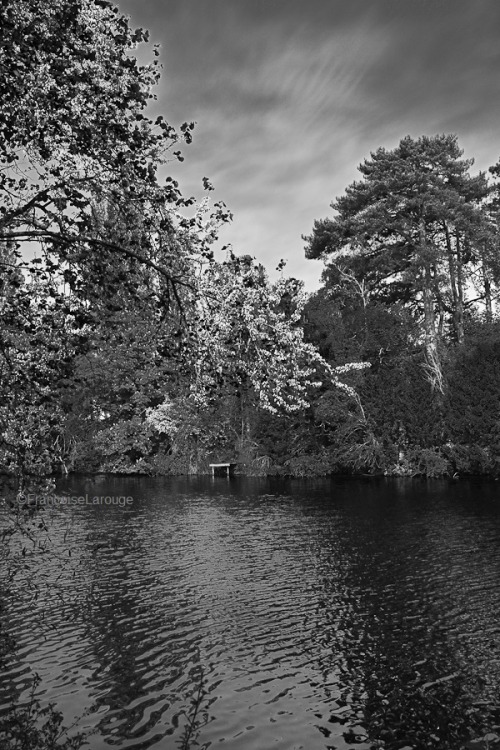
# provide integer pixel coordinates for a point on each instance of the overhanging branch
(57, 239)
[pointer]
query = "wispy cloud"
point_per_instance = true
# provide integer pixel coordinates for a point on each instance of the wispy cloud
(291, 96)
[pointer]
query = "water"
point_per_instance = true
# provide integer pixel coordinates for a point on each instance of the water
(311, 614)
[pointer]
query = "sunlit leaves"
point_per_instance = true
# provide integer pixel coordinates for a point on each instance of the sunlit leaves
(248, 332)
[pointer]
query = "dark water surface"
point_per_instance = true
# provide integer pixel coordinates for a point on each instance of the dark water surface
(313, 614)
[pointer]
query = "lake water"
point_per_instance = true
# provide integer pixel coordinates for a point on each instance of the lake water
(312, 614)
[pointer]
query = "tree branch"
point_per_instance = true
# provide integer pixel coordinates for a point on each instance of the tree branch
(39, 234)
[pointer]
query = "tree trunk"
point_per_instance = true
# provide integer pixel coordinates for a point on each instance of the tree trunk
(487, 299)
(244, 447)
(433, 365)
(487, 289)
(459, 328)
(431, 348)
(457, 307)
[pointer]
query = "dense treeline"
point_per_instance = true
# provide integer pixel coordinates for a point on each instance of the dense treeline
(127, 347)
(409, 285)
(409, 289)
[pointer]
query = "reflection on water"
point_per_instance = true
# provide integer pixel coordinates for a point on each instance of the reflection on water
(316, 614)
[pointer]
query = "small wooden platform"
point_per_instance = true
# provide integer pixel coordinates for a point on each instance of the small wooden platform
(227, 468)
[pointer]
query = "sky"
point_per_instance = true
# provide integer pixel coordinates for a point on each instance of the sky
(290, 96)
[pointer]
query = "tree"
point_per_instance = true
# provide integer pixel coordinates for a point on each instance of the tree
(406, 232)
(249, 334)
(75, 133)
(79, 160)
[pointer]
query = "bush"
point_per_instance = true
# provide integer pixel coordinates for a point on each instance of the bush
(428, 462)
(32, 727)
(469, 459)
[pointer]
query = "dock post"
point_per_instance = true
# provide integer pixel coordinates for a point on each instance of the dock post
(228, 466)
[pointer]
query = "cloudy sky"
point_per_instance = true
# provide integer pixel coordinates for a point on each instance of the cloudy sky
(290, 96)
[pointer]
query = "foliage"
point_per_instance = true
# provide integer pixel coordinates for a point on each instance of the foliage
(473, 406)
(249, 336)
(77, 141)
(32, 727)
(412, 232)
(79, 189)
(440, 717)
(375, 244)
(410, 253)
(126, 347)
(194, 722)
(141, 313)
(428, 462)
(35, 364)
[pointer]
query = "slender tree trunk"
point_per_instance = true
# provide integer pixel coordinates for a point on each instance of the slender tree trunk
(434, 370)
(487, 299)
(452, 267)
(429, 317)
(244, 441)
(460, 291)
(440, 327)
(487, 289)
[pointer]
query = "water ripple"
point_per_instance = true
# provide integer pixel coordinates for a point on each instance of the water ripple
(307, 613)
